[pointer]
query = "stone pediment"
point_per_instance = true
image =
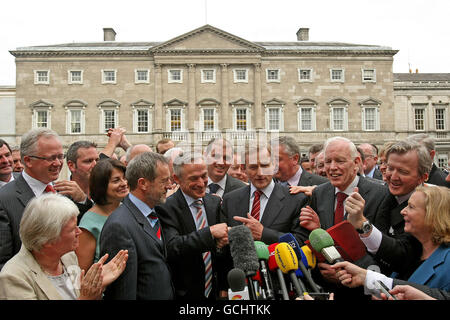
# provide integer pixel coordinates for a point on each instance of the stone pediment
(207, 39)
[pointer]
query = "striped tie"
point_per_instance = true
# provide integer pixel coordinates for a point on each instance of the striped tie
(200, 221)
(155, 224)
(256, 205)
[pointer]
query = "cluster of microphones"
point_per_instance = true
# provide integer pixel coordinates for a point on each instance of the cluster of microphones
(279, 271)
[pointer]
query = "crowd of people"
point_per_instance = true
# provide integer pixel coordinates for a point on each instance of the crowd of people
(154, 225)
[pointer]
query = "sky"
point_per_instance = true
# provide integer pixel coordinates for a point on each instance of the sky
(419, 29)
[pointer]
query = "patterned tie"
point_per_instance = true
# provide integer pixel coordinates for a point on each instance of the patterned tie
(256, 205)
(49, 188)
(339, 212)
(155, 223)
(200, 222)
(213, 187)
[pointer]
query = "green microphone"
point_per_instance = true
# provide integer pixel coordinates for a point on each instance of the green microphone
(263, 256)
(322, 242)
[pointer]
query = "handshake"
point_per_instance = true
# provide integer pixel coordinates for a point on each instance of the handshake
(220, 233)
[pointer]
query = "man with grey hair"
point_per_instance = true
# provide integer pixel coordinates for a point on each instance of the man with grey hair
(135, 226)
(6, 164)
(219, 158)
(17, 161)
(370, 163)
(436, 176)
(194, 232)
(290, 171)
(42, 155)
(135, 150)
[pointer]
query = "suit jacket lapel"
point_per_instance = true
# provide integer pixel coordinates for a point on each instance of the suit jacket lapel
(274, 206)
(427, 268)
(210, 211)
(186, 215)
(241, 204)
(23, 191)
(329, 196)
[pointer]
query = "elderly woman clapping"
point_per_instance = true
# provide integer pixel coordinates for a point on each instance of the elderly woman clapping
(46, 267)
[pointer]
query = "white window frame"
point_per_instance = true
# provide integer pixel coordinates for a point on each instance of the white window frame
(235, 73)
(373, 79)
(136, 111)
(202, 118)
(136, 76)
(313, 117)
(424, 120)
(277, 79)
(36, 112)
(170, 76)
(299, 70)
(342, 79)
(104, 80)
(69, 120)
(70, 77)
(377, 118)
(443, 158)
(280, 109)
(204, 80)
(345, 117)
(444, 120)
(248, 118)
(182, 118)
(36, 77)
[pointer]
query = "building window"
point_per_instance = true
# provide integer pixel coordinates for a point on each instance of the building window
(240, 75)
(75, 76)
(273, 75)
(41, 77)
(306, 118)
(304, 75)
(208, 119)
(208, 75)
(175, 120)
(75, 121)
(175, 75)
(370, 119)
(109, 119)
(338, 119)
(419, 119)
(109, 76)
(274, 119)
(143, 120)
(41, 118)
(440, 118)
(142, 76)
(368, 75)
(241, 119)
(337, 75)
(442, 161)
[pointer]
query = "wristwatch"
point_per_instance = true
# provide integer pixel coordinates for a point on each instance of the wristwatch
(366, 227)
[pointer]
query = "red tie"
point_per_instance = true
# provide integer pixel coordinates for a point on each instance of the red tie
(156, 225)
(49, 188)
(256, 205)
(339, 212)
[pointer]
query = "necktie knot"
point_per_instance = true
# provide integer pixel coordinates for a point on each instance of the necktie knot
(339, 211)
(213, 187)
(49, 188)
(341, 196)
(197, 203)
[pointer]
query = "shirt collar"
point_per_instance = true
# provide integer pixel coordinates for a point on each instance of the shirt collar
(350, 188)
(142, 206)
(293, 181)
(221, 182)
(189, 199)
(267, 191)
(36, 186)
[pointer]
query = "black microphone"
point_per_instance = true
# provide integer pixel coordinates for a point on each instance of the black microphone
(238, 288)
(244, 255)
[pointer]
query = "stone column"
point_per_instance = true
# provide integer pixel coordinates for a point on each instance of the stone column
(258, 114)
(159, 114)
(224, 121)
(191, 98)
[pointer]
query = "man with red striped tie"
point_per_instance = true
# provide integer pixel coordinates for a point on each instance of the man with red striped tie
(194, 232)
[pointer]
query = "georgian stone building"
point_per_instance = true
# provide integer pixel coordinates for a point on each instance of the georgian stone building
(207, 83)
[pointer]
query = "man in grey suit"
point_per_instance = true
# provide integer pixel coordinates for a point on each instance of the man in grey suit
(370, 163)
(265, 207)
(43, 157)
(134, 226)
(219, 158)
(6, 164)
(290, 172)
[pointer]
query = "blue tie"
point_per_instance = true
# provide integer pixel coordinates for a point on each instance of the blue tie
(213, 187)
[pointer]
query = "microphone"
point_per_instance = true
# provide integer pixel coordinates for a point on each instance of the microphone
(243, 253)
(310, 257)
(322, 242)
(302, 260)
(238, 289)
(263, 255)
(287, 261)
(274, 268)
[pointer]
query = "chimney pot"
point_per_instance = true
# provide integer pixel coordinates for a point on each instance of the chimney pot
(109, 34)
(303, 34)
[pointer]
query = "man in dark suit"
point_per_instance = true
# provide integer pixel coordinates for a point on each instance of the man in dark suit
(265, 207)
(290, 172)
(436, 176)
(370, 161)
(135, 226)
(42, 155)
(6, 164)
(193, 232)
(219, 158)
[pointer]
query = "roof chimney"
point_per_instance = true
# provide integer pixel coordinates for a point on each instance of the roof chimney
(303, 34)
(109, 34)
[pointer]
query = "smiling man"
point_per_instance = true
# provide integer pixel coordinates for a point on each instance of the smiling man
(6, 164)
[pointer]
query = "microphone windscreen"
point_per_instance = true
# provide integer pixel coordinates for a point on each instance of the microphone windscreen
(242, 249)
(285, 257)
(261, 250)
(272, 262)
(312, 260)
(292, 241)
(236, 279)
(320, 239)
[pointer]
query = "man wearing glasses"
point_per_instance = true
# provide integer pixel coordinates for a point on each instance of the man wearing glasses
(42, 156)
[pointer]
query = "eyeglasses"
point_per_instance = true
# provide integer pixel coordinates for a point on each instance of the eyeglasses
(59, 157)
